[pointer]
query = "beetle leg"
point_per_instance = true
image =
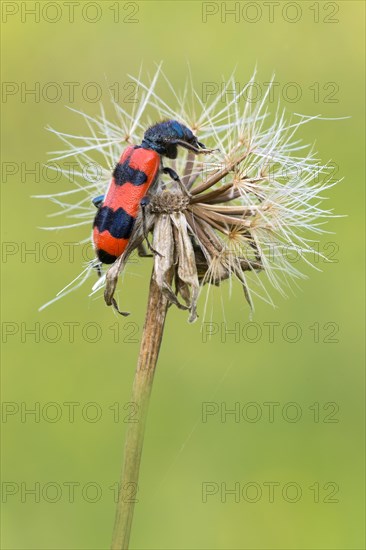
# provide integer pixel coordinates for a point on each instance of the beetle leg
(141, 250)
(116, 308)
(144, 203)
(173, 174)
(97, 201)
(98, 270)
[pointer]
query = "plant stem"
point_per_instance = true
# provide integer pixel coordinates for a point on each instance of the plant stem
(150, 345)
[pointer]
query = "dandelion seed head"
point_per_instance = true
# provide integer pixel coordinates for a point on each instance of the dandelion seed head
(257, 198)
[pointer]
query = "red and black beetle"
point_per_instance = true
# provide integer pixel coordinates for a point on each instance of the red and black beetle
(136, 172)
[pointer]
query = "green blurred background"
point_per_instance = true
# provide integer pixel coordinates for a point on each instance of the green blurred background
(182, 453)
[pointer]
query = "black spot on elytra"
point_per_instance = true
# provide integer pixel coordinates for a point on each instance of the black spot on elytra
(117, 222)
(105, 258)
(123, 173)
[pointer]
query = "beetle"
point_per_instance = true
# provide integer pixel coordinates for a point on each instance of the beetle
(137, 170)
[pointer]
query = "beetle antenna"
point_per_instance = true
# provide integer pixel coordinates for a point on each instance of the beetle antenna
(192, 147)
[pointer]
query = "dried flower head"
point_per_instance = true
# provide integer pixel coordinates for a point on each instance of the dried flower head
(242, 210)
